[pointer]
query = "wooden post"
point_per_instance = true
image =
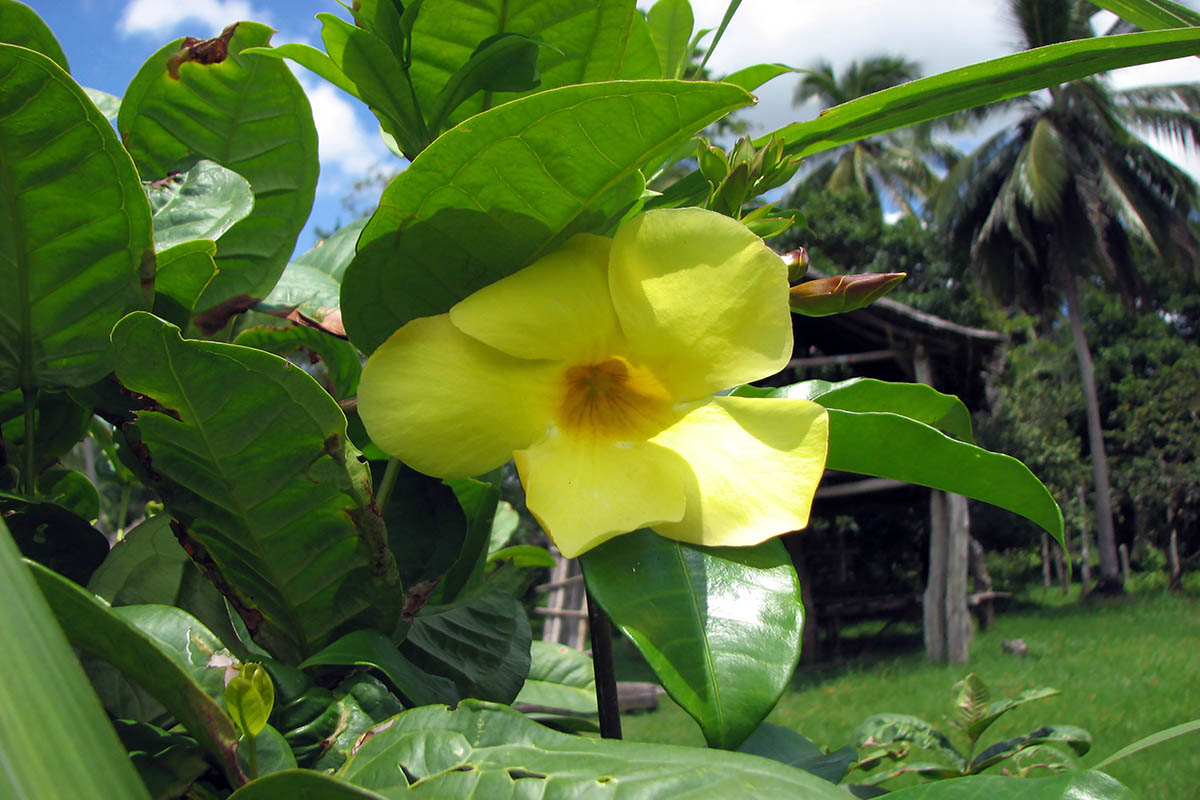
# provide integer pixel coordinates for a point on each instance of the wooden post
(1085, 550)
(983, 582)
(1123, 552)
(958, 618)
(1046, 561)
(934, 610)
(1064, 563)
(1176, 582)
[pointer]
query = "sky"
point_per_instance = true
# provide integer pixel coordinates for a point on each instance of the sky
(106, 42)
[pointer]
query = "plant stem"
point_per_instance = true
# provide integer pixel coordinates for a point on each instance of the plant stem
(28, 478)
(126, 489)
(252, 755)
(385, 485)
(606, 676)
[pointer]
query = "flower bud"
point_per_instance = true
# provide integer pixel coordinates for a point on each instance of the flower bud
(842, 293)
(797, 264)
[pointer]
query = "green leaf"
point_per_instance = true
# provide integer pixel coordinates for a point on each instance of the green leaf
(168, 763)
(20, 25)
(504, 524)
(561, 178)
(506, 62)
(479, 501)
(74, 228)
(71, 490)
(165, 650)
(1068, 786)
(372, 649)
(971, 703)
(322, 726)
(916, 401)
(248, 114)
(788, 747)
(145, 567)
(313, 280)
(671, 24)
(45, 698)
(720, 626)
(480, 641)
(342, 363)
(1152, 14)
(108, 104)
(1158, 737)
(1000, 707)
(510, 756)
(585, 41)
(250, 455)
(55, 537)
(202, 203)
(560, 678)
(523, 555)
(249, 699)
(59, 423)
(380, 79)
(750, 78)
(882, 730)
(886, 445)
(1078, 739)
(273, 753)
(302, 784)
(184, 272)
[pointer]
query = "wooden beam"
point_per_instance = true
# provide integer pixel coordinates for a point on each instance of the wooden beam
(845, 358)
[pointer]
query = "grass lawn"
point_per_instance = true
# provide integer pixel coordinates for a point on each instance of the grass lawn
(1126, 667)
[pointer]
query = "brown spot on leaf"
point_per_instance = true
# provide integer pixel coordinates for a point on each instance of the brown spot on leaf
(214, 319)
(212, 573)
(147, 269)
(331, 323)
(416, 598)
(202, 51)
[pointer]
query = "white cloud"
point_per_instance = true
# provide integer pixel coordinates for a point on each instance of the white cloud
(348, 149)
(164, 17)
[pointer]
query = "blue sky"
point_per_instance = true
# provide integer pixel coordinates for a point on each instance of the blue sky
(106, 42)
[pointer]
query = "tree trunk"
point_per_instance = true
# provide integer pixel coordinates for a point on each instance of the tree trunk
(1109, 581)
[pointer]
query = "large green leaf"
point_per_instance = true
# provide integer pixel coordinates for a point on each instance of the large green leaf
(74, 228)
(302, 784)
(184, 273)
(886, 445)
(1068, 786)
(560, 678)
(1076, 738)
(145, 567)
(201, 203)
(369, 648)
(480, 641)
(916, 401)
(671, 24)
(342, 363)
(251, 456)
(720, 626)
(210, 100)
(165, 650)
(312, 282)
(46, 701)
(882, 730)
(20, 24)
(570, 158)
(1152, 14)
(789, 747)
(482, 750)
(586, 41)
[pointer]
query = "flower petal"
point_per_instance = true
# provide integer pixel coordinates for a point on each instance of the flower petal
(702, 301)
(450, 406)
(558, 307)
(585, 492)
(755, 466)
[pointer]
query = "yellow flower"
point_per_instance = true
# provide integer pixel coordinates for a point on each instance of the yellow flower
(594, 368)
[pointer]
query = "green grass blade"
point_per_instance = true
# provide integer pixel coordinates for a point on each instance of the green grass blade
(55, 739)
(1150, 741)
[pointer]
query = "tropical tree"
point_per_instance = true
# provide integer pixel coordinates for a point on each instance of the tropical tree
(902, 164)
(1061, 197)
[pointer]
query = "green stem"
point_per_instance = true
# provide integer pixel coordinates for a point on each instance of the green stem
(252, 755)
(28, 476)
(385, 485)
(126, 490)
(606, 674)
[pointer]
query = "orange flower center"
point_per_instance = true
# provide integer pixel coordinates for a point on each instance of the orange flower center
(614, 399)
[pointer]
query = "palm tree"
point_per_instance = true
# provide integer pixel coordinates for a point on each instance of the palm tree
(900, 164)
(1061, 196)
